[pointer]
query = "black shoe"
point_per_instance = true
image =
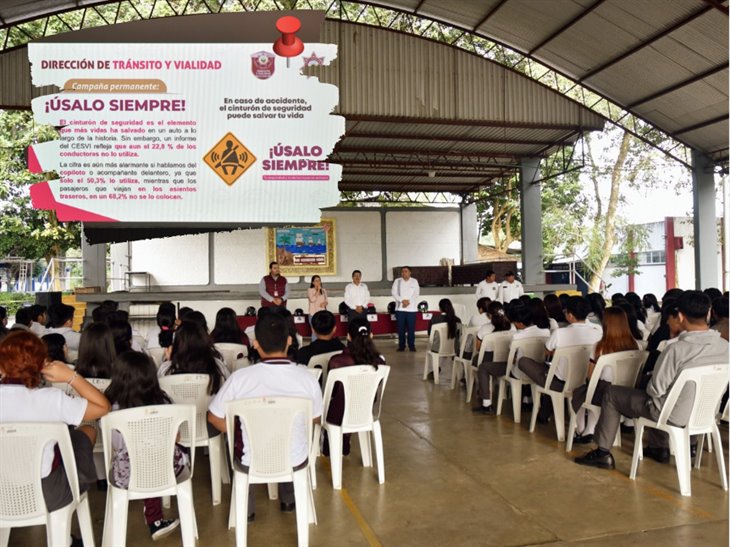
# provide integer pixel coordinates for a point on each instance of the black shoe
(76, 542)
(401, 349)
(161, 528)
(658, 454)
(485, 410)
(597, 458)
(101, 485)
(251, 517)
(583, 439)
(411, 349)
(543, 419)
(287, 507)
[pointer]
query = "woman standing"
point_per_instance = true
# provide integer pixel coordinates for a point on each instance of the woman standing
(317, 296)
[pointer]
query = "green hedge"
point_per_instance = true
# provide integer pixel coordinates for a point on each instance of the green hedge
(14, 300)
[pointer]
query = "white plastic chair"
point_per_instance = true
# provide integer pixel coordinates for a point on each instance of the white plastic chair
(499, 342)
(157, 355)
(269, 422)
(149, 433)
(322, 362)
(710, 382)
(141, 341)
(446, 350)
(316, 373)
(235, 356)
(361, 384)
(626, 366)
(192, 389)
(21, 495)
(533, 348)
(467, 341)
(576, 369)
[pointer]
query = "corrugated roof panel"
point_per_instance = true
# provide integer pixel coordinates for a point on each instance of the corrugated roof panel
(712, 137)
(466, 13)
(15, 87)
(707, 36)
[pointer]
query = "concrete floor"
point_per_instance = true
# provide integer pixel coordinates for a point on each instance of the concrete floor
(453, 478)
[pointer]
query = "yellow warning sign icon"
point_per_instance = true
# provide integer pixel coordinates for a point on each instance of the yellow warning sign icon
(229, 158)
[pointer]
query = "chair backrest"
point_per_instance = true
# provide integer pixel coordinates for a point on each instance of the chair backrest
(625, 367)
(322, 361)
(235, 356)
(315, 372)
(157, 355)
(360, 384)
(468, 340)
(21, 453)
(573, 361)
(710, 383)
(500, 344)
(446, 344)
(190, 389)
(269, 423)
(141, 341)
(149, 433)
(534, 348)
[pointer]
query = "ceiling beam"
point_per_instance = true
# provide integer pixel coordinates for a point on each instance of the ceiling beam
(465, 123)
(425, 152)
(566, 26)
(700, 125)
(678, 85)
(431, 137)
(718, 5)
(489, 14)
(645, 43)
(430, 165)
(412, 173)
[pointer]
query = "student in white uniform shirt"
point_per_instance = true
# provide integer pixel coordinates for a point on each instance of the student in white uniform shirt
(510, 288)
(62, 317)
(357, 296)
(481, 318)
(406, 291)
(40, 318)
(488, 287)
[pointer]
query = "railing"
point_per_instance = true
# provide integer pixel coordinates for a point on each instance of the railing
(52, 282)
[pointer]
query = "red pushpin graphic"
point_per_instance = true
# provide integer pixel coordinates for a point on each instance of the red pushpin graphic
(289, 45)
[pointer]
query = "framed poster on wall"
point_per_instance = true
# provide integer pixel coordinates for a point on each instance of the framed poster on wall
(304, 250)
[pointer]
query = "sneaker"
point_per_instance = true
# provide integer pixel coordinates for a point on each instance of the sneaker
(161, 528)
(597, 458)
(485, 410)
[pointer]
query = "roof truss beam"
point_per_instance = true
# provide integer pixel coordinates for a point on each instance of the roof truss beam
(566, 26)
(344, 149)
(700, 125)
(678, 85)
(452, 138)
(469, 123)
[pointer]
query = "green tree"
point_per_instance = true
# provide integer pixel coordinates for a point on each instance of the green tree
(27, 232)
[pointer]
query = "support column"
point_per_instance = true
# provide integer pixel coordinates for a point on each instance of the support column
(531, 220)
(94, 263)
(705, 224)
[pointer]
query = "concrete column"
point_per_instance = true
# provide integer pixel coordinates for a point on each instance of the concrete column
(469, 234)
(94, 263)
(531, 219)
(705, 224)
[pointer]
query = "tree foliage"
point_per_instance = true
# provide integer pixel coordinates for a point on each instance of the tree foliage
(27, 232)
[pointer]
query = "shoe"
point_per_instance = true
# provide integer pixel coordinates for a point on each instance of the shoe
(101, 485)
(429, 376)
(543, 419)
(251, 517)
(484, 410)
(161, 528)
(411, 349)
(583, 439)
(658, 454)
(594, 458)
(287, 507)
(76, 542)
(401, 349)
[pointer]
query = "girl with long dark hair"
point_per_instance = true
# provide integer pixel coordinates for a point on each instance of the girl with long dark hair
(227, 330)
(161, 335)
(448, 316)
(598, 304)
(57, 348)
(96, 352)
(652, 310)
(554, 308)
(539, 315)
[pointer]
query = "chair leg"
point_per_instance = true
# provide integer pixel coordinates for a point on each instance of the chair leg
(166, 502)
(58, 527)
(535, 406)
(186, 510)
(225, 466)
(700, 447)
(334, 434)
(273, 489)
(516, 388)
(719, 455)
(435, 366)
(108, 531)
(240, 480)
(425, 366)
(214, 455)
(571, 429)
(378, 440)
(500, 397)
(471, 380)
(638, 450)
(453, 373)
(559, 415)
(365, 449)
(232, 506)
(301, 487)
(680, 441)
(120, 509)
(84, 515)
(313, 455)
(4, 536)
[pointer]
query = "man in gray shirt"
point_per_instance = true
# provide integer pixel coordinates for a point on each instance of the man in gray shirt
(696, 346)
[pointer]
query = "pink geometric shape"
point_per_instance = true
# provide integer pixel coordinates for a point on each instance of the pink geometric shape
(42, 197)
(34, 166)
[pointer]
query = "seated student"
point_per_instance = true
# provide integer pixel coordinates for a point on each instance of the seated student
(653, 312)
(160, 336)
(522, 320)
(447, 315)
(227, 330)
(637, 327)
(555, 309)
(23, 319)
(23, 364)
(498, 321)
(61, 317)
(598, 305)
(96, 352)
(697, 346)
(192, 352)
(39, 315)
(324, 324)
(274, 376)
(480, 319)
(122, 334)
(3, 322)
(56, 346)
(539, 315)
(720, 316)
(197, 317)
(360, 350)
(640, 312)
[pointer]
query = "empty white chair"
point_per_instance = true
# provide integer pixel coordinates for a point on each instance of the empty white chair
(157, 354)
(467, 342)
(322, 362)
(575, 369)
(710, 382)
(269, 422)
(445, 351)
(625, 367)
(149, 433)
(499, 343)
(360, 384)
(21, 495)
(235, 356)
(533, 348)
(192, 389)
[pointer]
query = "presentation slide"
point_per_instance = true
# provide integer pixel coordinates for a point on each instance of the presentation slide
(185, 133)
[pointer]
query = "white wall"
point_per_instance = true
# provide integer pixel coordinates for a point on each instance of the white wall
(179, 260)
(240, 257)
(652, 279)
(358, 245)
(421, 238)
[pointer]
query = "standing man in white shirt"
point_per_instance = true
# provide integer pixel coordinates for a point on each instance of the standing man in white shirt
(406, 291)
(357, 297)
(489, 287)
(510, 288)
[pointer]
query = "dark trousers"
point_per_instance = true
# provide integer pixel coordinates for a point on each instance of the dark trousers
(352, 314)
(537, 372)
(632, 403)
(486, 371)
(406, 321)
(56, 490)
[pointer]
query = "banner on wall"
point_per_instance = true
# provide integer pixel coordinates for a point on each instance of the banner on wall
(224, 133)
